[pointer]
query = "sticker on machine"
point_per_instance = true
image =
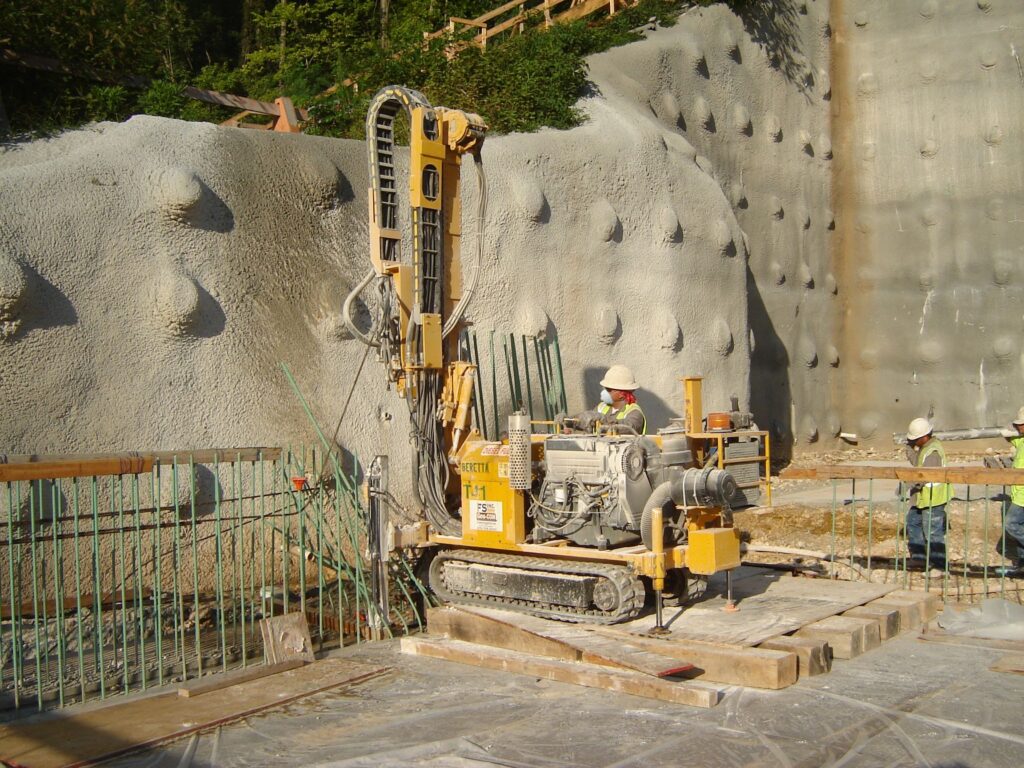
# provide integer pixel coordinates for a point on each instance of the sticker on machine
(485, 515)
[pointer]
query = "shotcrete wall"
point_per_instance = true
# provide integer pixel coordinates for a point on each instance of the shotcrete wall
(929, 112)
(154, 274)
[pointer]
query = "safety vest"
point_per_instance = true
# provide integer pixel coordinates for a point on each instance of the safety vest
(604, 409)
(1017, 491)
(933, 494)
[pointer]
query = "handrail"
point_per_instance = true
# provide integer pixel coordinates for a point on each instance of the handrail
(577, 10)
(964, 474)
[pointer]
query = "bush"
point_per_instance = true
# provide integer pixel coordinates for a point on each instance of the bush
(106, 102)
(163, 99)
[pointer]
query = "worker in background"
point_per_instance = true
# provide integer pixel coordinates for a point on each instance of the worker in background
(926, 518)
(1011, 543)
(618, 407)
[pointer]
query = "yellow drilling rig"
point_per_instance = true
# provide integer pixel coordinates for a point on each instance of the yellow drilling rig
(578, 527)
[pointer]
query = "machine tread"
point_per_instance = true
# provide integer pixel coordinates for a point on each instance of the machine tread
(628, 585)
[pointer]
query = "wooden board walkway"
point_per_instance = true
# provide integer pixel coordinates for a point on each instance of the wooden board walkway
(786, 628)
(63, 740)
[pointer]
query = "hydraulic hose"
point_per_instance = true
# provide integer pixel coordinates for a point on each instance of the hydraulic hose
(460, 308)
(346, 311)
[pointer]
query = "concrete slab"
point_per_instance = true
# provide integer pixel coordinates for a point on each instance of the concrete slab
(906, 703)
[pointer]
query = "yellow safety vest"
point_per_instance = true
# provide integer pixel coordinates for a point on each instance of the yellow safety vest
(933, 494)
(1017, 491)
(604, 409)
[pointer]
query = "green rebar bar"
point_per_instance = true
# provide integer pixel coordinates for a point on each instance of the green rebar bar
(195, 565)
(119, 495)
(540, 375)
(58, 583)
(494, 390)
(871, 521)
(179, 597)
(853, 520)
(320, 551)
(239, 565)
(98, 589)
(967, 529)
(15, 605)
(515, 373)
(158, 582)
(35, 596)
(561, 377)
(479, 403)
(140, 613)
(78, 589)
(219, 535)
(526, 375)
(286, 538)
(832, 551)
(263, 539)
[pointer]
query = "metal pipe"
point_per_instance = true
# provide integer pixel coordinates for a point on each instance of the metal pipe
(973, 433)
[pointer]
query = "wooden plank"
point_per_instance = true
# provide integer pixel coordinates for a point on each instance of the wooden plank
(717, 663)
(224, 679)
(574, 673)
(963, 475)
(1011, 662)
(887, 617)
(847, 636)
(814, 657)
(941, 636)
(589, 647)
(286, 638)
(909, 611)
(461, 625)
(85, 738)
(929, 604)
(198, 456)
(46, 470)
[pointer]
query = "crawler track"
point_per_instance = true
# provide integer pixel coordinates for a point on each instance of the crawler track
(617, 585)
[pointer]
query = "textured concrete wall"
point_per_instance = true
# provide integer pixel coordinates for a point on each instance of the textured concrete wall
(927, 129)
(154, 274)
(752, 96)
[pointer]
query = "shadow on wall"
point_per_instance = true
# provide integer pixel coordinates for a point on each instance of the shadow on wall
(770, 394)
(656, 410)
(775, 26)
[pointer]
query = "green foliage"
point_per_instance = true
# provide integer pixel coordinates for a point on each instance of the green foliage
(299, 48)
(106, 102)
(161, 98)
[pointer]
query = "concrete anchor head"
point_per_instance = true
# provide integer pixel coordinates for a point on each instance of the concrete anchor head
(532, 320)
(928, 9)
(724, 239)
(176, 192)
(809, 429)
(530, 199)
(931, 351)
(741, 120)
(13, 287)
(721, 337)
(778, 273)
(667, 330)
(994, 135)
(604, 223)
(606, 323)
(176, 303)
(1004, 347)
(773, 128)
(669, 229)
(929, 148)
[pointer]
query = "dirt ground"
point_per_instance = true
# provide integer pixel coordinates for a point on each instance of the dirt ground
(856, 531)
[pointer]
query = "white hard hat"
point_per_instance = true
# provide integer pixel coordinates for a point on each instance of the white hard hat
(619, 377)
(919, 427)
(1020, 417)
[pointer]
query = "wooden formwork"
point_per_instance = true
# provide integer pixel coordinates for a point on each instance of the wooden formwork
(786, 627)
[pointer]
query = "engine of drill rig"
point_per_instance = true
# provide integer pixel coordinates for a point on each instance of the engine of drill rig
(595, 488)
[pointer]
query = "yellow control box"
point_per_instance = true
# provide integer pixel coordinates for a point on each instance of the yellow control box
(712, 550)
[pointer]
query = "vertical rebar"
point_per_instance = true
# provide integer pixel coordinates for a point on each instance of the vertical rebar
(561, 377)
(97, 589)
(15, 605)
(37, 644)
(526, 376)
(832, 548)
(58, 581)
(78, 588)
(219, 558)
(871, 520)
(140, 613)
(158, 582)
(195, 565)
(494, 390)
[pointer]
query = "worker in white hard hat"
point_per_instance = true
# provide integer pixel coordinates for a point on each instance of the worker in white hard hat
(618, 407)
(926, 518)
(1011, 543)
